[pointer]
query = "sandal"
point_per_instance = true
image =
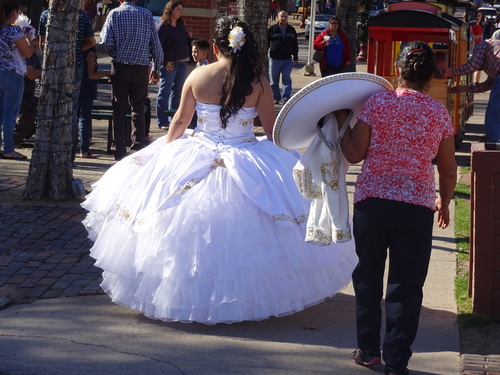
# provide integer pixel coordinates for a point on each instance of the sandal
(15, 155)
(88, 155)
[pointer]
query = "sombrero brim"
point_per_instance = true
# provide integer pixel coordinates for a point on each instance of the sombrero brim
(295, 126)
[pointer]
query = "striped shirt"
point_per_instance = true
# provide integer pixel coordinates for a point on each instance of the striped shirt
(486, 57)
(129, 36)
(84, 31)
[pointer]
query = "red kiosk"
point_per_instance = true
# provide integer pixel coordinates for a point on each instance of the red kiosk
(408, 21)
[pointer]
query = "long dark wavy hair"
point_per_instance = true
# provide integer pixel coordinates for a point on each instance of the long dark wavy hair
(6, 8)
(416, 64)
(167, 11)
(245, 66)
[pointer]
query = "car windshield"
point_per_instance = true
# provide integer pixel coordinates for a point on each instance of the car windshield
(322, 18)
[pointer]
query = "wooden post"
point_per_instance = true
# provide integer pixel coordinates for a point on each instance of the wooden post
(485, 231)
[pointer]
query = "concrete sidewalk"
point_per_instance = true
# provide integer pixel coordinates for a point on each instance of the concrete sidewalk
(57, 321)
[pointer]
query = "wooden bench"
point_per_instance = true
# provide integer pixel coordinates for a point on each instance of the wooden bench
(105, 112)
(300, 12)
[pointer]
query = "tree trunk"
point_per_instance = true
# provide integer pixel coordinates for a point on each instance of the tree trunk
(254, 13)
(50, 173)
(347, 11)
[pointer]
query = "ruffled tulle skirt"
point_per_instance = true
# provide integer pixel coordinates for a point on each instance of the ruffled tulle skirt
(208, 233)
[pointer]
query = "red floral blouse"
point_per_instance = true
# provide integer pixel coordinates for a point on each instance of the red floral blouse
(407, 127)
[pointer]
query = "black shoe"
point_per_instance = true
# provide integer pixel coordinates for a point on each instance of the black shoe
(276, 101)
(137, 147)
(366, 357)
(285, 100)
(388, 370)
(120, 155)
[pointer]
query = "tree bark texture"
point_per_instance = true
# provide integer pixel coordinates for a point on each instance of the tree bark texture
(50, 174)
(347, 11)
(254, 13)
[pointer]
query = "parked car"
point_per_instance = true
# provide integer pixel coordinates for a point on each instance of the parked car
(320, 24)
(488, 11)
(376, 9)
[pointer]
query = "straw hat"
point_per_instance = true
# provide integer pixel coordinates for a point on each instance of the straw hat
(296, 124)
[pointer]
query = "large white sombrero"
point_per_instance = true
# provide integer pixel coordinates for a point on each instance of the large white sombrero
(295, 126)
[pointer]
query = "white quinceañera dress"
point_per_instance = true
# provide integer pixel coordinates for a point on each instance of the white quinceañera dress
(210, 228)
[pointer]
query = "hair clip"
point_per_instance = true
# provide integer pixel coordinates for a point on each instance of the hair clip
(414, 51)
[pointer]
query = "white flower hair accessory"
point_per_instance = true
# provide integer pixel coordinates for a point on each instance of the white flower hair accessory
(24, 23)
(236, 39)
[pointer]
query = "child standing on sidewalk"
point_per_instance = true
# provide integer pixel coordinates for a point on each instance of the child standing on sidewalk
(199, 51)
(88, 93)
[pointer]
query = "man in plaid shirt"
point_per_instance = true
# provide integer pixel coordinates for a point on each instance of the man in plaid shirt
(130, 38)
(485, 57)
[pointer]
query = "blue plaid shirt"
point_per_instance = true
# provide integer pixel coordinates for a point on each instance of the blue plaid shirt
(84, 31)
(129, 36)
(486, 57)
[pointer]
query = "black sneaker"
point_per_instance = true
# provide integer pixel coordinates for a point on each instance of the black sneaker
(366, 357)
(392, 371)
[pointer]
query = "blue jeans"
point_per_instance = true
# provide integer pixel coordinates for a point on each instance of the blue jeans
(283, 67)
(11, 96)
(169, 92)
(75, 118)
(492, 115)
(85, 123)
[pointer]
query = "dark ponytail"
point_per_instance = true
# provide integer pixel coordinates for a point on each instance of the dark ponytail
(6, 8)
(416, 63)
(245, 66)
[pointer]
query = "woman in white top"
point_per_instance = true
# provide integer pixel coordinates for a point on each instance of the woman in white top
(14, 47)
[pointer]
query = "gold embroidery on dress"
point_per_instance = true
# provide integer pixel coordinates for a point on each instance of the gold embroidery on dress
(310, 189)
(315, 235)
(249, 140)
(283, 217)
(330, 174)
(244, 122)
(125, 214)
(137, 161)
(186, 187)
(202, 119)
(218, 163)
(343, 235)
(298, 178)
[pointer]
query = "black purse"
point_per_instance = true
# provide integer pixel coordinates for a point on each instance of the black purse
(318, 55)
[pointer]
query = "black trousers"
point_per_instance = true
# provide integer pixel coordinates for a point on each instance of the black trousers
(406, 231)
(26, 124)
(130, 86)
(331, 70)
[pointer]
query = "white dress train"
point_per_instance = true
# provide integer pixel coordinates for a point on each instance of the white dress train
(210, 228)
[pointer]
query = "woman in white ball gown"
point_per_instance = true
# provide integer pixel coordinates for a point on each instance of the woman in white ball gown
(210, 227)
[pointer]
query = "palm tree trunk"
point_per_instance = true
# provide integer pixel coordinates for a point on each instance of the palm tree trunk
(50, 173)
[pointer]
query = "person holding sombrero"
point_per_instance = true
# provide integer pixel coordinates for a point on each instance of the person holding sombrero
(336, 49)
(398, 134)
